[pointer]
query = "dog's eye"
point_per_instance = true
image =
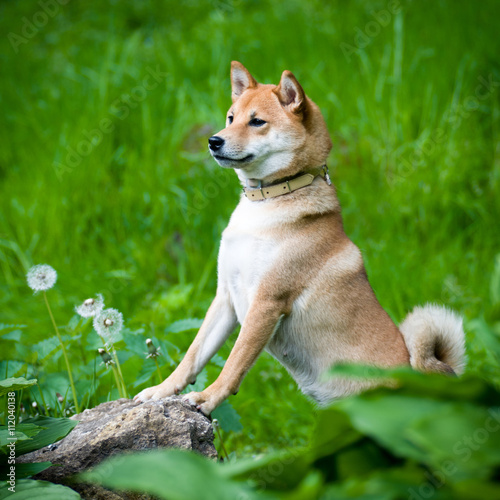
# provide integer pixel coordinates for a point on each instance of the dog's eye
(230, 119)
(256, 122)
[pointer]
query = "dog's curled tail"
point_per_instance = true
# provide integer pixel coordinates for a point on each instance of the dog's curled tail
(435, 339)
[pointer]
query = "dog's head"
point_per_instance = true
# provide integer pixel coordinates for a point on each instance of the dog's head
(271, 131)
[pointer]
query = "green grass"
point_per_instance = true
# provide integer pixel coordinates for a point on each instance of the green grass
(139, 218)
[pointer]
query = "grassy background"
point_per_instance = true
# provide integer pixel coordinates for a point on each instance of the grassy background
(416, 161)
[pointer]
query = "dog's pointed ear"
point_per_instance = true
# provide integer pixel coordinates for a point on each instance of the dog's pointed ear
(241, 80)
(290, 93)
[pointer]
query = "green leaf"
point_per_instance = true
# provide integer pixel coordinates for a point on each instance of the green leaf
(24, 470)
(28, 489)
(334, 431)
(218, 360)
(184, 325)
(146, 374)
(12, 367)
(15, 384)
(28, 470)
(200, 384)
(281, 470)
(14, 335)
(476, 488)
(465, 435)
(169, 474)
(55, 429)
(46, 347)
(22, 432)
(4, 326)
(228, 417)
(387, 484)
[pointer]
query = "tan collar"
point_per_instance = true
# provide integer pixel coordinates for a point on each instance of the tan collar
(289, 185)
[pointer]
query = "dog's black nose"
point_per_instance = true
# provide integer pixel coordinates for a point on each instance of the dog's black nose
(215, 142)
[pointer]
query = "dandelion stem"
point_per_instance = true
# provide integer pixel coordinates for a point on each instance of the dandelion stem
(117, 381)
(68, 366)
(158, 370)
(125, 394)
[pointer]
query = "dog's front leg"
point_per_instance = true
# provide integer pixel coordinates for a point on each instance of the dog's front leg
(257, 329)
(219, 323)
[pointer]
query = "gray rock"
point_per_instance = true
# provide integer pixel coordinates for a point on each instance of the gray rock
(119, 427)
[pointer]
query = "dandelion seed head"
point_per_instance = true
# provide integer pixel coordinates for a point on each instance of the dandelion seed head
(41, 277)
(148, 341)
(91, 307)
(101, 350)
(34, 404)
(108, 325)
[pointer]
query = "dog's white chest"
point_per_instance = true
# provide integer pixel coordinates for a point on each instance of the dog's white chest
(246, 255)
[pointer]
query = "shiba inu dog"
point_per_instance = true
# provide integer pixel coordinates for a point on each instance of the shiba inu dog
(287, 272)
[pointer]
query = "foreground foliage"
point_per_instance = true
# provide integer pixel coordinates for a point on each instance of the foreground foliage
(29, 435)
(433, 436)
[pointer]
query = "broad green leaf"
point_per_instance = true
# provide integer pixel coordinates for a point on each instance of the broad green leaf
(228, 417)
(388, 484)
(308, 489)
(184, 325)
(24, 470)
(333, 432)
(465, 435)
(387, 419)
(28, 489)
(170, 475)
(12, 367)
(15, 384)
(281, 470)
(146, 374)
(426, 385)
(46, 347)
(28, 470)
(21, 432)
(55, 429)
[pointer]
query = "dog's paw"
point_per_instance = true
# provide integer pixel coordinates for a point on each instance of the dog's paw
(145, 395)
(164, 390)
(202, 401)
